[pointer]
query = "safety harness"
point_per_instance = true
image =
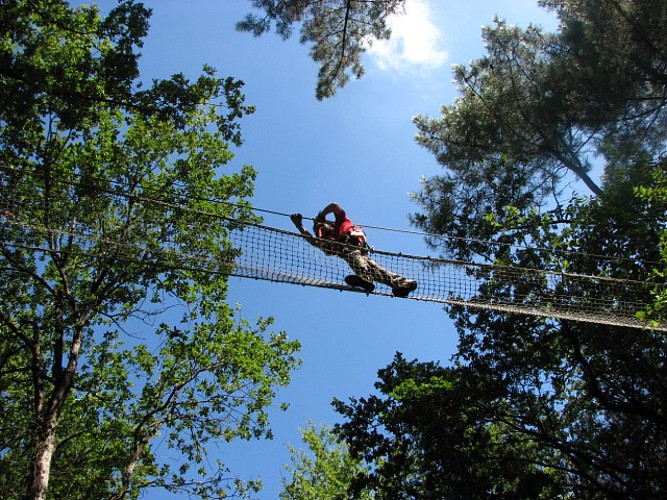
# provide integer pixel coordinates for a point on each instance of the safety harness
(354, 236)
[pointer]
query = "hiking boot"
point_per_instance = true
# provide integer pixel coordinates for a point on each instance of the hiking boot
(358, 282)
(404, 288)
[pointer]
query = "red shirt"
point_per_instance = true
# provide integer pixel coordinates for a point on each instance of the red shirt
(344, 227)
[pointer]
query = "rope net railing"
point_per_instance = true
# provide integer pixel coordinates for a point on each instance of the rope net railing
(267, 253)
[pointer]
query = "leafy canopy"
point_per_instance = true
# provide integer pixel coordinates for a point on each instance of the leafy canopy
(338, 31)
(326, 470)
(116, 341)
(433, 432)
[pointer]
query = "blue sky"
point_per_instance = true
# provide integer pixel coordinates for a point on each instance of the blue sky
(356, 148)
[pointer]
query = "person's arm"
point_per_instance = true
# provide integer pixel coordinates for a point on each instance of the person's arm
(331, 208)
(297, 219)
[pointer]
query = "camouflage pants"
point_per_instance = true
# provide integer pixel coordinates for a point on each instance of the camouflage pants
(366, 268)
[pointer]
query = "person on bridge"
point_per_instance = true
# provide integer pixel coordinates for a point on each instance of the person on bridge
(348, 241)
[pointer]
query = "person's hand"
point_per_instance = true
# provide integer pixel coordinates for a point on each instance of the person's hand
(297, 219)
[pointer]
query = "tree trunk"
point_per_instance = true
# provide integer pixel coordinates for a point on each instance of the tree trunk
(44, 449)
(47, 414)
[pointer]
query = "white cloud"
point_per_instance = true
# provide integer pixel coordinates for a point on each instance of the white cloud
(414, 41)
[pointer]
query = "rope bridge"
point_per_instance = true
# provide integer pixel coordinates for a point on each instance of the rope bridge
(282, 256)
(267, 253)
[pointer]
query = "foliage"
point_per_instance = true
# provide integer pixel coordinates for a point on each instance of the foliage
(656, 194)
(600, 389)
(325, 472)
(337, 29)
(552, 104)
(66, 62)
(115, 338)
(537, 407)
(434, 432)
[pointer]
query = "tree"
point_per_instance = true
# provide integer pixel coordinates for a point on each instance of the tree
(337, 29)
(537, 107)
(325, 472)
(589, 394)
(434, 432)
(65, 63)
(115, 337)
(550, 104)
